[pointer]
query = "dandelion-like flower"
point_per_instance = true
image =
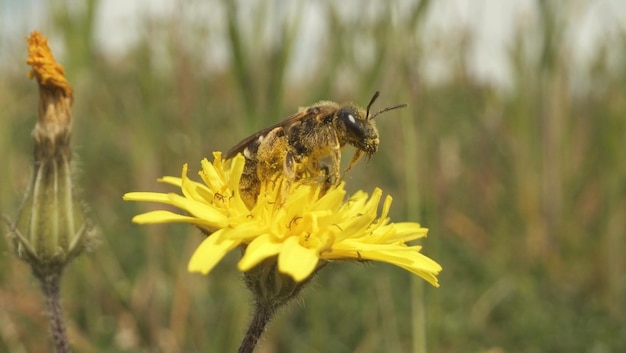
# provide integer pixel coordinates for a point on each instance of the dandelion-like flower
(298, 227)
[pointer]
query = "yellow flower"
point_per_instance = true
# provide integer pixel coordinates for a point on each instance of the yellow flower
(295, 225)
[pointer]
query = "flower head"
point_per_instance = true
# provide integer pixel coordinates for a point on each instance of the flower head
(298, 226)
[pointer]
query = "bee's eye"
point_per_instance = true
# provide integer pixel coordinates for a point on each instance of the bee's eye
(349, 119)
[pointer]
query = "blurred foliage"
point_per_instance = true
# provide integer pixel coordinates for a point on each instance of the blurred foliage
(523, 188)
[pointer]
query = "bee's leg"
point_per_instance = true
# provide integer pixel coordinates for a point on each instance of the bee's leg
(357, 155)
(290, 166)
(328, 179)
(270, 153)
(336, 163)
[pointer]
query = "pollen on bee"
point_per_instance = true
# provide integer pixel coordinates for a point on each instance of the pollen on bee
(247, 153)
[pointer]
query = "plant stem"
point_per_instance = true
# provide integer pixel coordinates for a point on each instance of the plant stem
(50, 285)
(262, 316)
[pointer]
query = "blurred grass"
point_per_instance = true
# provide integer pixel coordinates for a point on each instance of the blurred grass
(523, 188)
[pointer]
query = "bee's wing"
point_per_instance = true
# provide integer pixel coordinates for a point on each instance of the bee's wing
(241, 146)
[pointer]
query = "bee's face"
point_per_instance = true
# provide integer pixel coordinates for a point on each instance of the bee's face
(353, 127)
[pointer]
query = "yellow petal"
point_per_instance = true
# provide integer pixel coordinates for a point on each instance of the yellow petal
(258, 250)
(332, 199)
(146, 196)
(199, 209)
(210, 252)
(297, 261)
(386, 207)
(404, 231)
(211, 176)
(429, 276)
(171, 180)
(164, 217)
(244, 232)
(194, 190)
(371, 206)
(354, 227)
(237, 166)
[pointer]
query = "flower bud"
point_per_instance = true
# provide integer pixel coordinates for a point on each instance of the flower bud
(51, 227)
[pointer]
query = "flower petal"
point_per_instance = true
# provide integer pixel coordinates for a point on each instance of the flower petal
(199, 209)
(210, 252)
(297, 261)
(258, 250)
(162, 216)
(171, 180)
(146, 196)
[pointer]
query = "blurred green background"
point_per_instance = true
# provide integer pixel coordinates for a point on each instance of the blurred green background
(522, 184)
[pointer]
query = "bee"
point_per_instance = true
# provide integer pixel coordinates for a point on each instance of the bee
(297, 145)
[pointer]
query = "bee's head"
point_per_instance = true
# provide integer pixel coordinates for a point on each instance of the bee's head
(356, 129)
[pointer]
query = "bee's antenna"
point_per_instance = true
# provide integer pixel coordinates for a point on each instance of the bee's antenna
(374, 97)
(388, 109)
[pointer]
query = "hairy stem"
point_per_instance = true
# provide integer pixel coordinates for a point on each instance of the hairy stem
(50, 285)
(262, 316)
